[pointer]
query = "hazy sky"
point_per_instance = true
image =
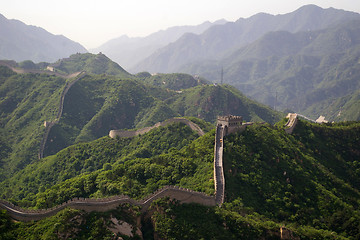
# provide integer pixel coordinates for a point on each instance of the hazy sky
(93, 22)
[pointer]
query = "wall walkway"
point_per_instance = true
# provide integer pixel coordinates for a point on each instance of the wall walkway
(219, 178)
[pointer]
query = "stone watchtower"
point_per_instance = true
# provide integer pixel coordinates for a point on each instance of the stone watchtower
(230, 123)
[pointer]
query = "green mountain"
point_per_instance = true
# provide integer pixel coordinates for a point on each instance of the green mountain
(90, 63)
(55, 179)
(306, 184)
(277, 186)
(21, 42)
(87, 106)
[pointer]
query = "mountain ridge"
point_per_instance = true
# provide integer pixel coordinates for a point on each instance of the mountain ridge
(128, 51)
(19, 42)
(217, 41)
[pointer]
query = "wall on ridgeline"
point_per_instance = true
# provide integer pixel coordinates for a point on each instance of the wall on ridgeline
(132, 133)
(291, 123)
(49, 125)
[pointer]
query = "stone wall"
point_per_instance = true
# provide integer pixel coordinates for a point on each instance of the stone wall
(219, 179)
(105, 204)
(132, 133)
(291, 123)
(49, 125)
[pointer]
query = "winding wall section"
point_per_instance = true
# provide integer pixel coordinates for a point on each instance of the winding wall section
(106, 204)
(49, 125)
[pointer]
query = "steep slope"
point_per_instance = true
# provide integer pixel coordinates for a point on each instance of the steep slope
(26, 101)
(311, 178)
(128, 51)
(218, 40)
(20, 42)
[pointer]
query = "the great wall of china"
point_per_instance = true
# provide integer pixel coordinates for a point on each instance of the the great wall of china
(291, 123)
(130, 133)
(48, 125)
(106, 204)
(181, 194)
(225, 125)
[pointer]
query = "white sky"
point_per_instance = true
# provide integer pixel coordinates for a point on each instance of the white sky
(93, 22)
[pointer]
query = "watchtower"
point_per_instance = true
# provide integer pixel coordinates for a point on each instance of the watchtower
(230, 123)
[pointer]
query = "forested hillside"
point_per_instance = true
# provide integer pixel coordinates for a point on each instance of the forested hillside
(306, 184)
(103, 98)
(58, 161)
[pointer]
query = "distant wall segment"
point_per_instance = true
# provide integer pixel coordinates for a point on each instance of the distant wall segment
(132, 133)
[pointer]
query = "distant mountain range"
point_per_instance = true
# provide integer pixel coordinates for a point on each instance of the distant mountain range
(219, 41)
(128, 51)
(296, 71)
(20, 42)
(303, 61)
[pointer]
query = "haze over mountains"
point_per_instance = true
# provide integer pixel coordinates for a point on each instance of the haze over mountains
(221, 40)
(21, 42)
(304, 61)
(130, 51)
